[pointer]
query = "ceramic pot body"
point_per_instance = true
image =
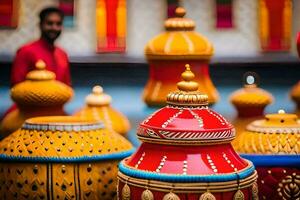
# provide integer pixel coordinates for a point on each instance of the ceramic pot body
(164, 75)
(61, 158)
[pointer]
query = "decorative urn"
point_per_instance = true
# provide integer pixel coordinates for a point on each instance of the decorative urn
(273, 145)
(98, 107)
(250, 102)
(186, 154)
(168, 51)
(61, 158)
(39, 95)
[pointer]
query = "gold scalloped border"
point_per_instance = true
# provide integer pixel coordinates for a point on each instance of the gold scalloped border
(189, 187)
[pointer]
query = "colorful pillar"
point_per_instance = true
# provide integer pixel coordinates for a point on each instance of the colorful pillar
(111, 25)
(275, 19)
(9, 13)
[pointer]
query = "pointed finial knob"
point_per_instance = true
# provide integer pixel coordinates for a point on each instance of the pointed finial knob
(187, 84)
(97, 90)
(40, 65)
(180, 12)
(281, 111)
(98, 97)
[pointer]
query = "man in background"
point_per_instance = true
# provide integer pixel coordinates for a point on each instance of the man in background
(56, 59)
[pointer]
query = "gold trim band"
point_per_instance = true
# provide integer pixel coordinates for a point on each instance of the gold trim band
(188, 187)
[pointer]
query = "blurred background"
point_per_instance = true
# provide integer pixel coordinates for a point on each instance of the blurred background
(245, 38)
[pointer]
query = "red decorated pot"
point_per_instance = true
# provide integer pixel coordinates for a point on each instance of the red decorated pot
(186, 154)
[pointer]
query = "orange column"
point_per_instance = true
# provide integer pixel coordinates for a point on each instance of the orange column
(275, 24)
(111, 25)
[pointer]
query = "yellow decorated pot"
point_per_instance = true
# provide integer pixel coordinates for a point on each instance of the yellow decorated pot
(250, 102)
(61, 158)
(98, 108)
(273, 145)
(169, 51)
(39, 95)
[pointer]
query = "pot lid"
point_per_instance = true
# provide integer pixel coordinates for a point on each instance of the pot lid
(186, 119)
(280, 122)
(277, 134)
(41, 89)
(61, 139)
(98, 97)
(251, 95)
(179, 41)
(98, 108)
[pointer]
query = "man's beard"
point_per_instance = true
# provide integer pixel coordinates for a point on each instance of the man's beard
(51, 36)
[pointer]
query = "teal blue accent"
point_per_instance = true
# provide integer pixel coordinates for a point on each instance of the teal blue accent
(69, 21)
(79, 159)
(185, 178)
(273, 160)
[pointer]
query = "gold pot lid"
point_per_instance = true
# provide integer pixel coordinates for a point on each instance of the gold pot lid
(179, 41)
(98, 108)
(276, 134)
(277, 123)
(251, 95)
(62, 138)
(98, 97)
(187, 94)
(41, 89)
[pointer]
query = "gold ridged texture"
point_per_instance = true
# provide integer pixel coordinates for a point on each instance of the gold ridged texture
(48, 143)
(187, 94)
(179, 41)
(41, 89)
(276, 134)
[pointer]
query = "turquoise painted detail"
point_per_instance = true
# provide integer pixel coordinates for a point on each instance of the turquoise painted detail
(79, 159)
(185, 178)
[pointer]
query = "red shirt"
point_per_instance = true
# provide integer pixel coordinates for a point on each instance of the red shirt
(55, 58)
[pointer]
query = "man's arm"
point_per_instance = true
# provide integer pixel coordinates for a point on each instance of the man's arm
(20, 67)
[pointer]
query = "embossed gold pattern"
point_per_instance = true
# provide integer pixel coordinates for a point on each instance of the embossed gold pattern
(126, 192)
(255, 191)
(207, 196)
(289, 188)
(276, 134)
(147, 195)
(187, 94)
(171, 196)
(239, 195)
